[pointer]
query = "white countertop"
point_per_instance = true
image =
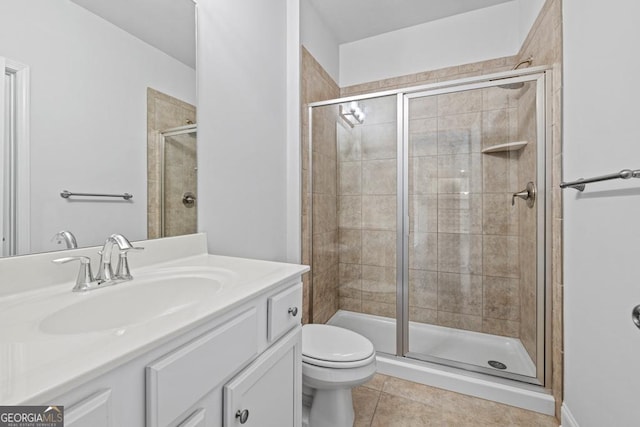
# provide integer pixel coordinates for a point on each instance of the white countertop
(37, 365)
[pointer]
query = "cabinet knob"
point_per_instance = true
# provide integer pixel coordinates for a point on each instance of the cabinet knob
(293, 311)
(243, 415)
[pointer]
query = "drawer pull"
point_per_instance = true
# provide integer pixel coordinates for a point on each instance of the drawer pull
(293, 311)
(243, 415)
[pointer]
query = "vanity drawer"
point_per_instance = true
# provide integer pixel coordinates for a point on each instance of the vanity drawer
(284, 311)
(180, 379)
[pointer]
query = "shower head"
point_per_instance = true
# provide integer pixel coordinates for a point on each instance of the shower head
(518, 85)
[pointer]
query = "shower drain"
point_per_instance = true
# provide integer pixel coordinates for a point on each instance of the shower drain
(496, 364)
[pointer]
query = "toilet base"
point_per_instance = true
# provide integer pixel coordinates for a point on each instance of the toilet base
(332, 408)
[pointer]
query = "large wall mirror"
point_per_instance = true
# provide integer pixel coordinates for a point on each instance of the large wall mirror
(97, 97)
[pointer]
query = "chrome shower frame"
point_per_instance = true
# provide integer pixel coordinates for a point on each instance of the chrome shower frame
(541, 76)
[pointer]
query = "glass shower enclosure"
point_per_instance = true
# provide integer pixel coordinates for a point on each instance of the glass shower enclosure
(178, 159)
(439, 199)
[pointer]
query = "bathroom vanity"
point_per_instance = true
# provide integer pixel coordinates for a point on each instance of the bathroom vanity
(193, 340)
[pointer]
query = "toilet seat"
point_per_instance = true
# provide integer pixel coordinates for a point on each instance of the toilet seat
(333, 347)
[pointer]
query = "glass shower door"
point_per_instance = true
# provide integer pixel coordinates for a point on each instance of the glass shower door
(179, 181)
(472, 268)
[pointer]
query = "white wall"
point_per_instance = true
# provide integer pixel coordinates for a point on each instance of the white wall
(318, 39)
(528, 11)
(245, 93)
(470, 37)
(601, 226)
(88, 115)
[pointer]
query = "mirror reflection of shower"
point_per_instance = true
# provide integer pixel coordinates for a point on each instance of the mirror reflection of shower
(179, 180)
(171, 166)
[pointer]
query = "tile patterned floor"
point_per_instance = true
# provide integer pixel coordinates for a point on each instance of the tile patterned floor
(391, 402)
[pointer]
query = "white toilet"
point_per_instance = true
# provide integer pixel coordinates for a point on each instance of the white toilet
(334, 360)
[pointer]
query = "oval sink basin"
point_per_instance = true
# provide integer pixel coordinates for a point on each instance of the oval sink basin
(141, 300)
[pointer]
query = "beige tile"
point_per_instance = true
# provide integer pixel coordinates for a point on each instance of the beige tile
(500, 256)
(423, 251)
(379, 284)
(422, 315)
(325, 251)
(379, 308)
(460, 293)
(423, 175)
(423, 213)
(325, 175)
(379, 248)
(506, 328)
(501, 298)
(350, 246)
(499, 216)
(423, 289)
(377, 382)
(460, 133)
(365, 401)
(400, 412)
(423, 107)
(350, 288)
(379, 177)
(423, 137)
(430, 396)
(496, 98)
(460, 102)
(350, 178)
(460, 173)
(499, 127)
(379, 141)
(460, 253)
(460, 321)
(349, 211)
(348, 272)
(460, 213)
(350, 304)
(500, 173)
(398, 81)
(379, 110)
(349, 143)
(325, 213)
(379, 212)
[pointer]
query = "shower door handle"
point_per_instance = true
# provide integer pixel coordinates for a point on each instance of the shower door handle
(528, 194)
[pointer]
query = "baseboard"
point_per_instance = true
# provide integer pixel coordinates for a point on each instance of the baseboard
(567, 417)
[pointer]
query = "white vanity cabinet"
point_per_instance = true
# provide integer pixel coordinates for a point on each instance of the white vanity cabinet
(248, 359)
(267, 392)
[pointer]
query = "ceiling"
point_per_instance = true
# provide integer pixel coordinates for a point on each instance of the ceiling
(358, 19)
(168, 25)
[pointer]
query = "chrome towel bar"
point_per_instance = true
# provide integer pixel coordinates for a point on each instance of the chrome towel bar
(65, 194)
(581, 183)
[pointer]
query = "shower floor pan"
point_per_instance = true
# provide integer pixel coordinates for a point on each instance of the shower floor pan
(441, 344)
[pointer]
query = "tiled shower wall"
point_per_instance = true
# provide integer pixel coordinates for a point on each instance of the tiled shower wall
(464, 234)
(320, 296)
(163, 112)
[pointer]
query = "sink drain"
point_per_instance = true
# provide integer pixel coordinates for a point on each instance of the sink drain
(496, 364)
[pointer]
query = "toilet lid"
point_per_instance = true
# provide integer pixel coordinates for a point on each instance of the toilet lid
(334, 344)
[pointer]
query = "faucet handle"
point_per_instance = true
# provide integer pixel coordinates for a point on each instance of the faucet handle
(122, 270)
(85, 279)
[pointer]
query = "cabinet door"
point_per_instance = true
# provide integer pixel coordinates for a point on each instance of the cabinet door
(94, 411)
(268, 393)
(197, 419)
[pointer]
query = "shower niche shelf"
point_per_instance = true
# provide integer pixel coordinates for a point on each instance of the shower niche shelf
(509, 146)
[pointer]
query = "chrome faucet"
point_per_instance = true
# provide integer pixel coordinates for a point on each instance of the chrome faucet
(67, 237)
(105, 271)
(105, 277)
